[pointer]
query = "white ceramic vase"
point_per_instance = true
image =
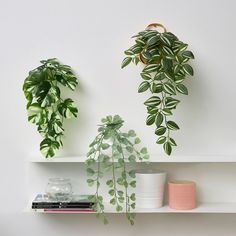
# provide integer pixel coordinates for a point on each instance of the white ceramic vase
(150, 188)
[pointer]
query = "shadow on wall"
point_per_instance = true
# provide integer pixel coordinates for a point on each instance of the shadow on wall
(76, 128)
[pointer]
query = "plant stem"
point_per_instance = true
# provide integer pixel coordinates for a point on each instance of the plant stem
(113, 175)
(126, 188)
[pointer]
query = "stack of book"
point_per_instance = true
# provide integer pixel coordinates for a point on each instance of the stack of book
(77, 203)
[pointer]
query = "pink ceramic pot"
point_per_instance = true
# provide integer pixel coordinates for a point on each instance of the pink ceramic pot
(182, 194)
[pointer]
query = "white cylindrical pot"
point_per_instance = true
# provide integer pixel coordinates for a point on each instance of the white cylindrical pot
(150, 185)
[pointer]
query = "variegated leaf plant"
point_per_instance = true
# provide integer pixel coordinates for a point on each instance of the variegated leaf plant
(166, 66)
(45, 106)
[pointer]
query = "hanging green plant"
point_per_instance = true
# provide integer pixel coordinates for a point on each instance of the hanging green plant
(45, 107)
(109, 153)
(166, 66)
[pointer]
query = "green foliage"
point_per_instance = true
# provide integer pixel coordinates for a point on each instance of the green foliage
(166, 67)
(110, 152)
(45, 107)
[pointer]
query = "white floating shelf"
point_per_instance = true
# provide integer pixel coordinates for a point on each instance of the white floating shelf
(153, 159)
(202, 208)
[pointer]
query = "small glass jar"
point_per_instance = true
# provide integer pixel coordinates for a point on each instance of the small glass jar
(59, 189)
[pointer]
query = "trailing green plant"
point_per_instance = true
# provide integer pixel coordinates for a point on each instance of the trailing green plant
(110, 152)
(166, 67)
(45, 106)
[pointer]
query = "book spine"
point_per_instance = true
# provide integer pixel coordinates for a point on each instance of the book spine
(62, 210)
(60, 206)
(69, 210)
(64, 203)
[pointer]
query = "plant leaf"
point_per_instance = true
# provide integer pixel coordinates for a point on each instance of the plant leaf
(159, 119)
(172, 142)
(160, 130)
(172, 125)
(126, 62)
(143, 86)
(67, 108)
(161, 140)
(150, 119)
(144, 150)
(154, 39)
(48, 147)
(188, 54)
(182, 89)
(145, 76)
(171, 103)
(169, 88)
(167, 148)
(153, 101)
(150, 68)
(188, 69)
(166, 112)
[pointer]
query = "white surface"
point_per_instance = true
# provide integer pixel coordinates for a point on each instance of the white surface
(153, 158)
(202, 208)
(91, 37)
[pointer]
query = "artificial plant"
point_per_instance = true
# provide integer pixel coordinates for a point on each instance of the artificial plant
(165, 60)
(109, 152)
(45, 106)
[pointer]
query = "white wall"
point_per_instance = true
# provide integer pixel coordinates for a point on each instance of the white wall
(91, 37)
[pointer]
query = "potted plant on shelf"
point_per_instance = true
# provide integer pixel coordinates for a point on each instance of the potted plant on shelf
(166, 67)
(109, 153)
(45, 106)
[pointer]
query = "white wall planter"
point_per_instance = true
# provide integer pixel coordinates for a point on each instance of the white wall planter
(150, 188)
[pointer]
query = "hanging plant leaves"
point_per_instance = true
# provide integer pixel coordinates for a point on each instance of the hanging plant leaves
(67, 108)
(166, 67)
(126, 62)
(182, 89)
(143, 86)
(121, 149)
(45, 106)
(48, 147)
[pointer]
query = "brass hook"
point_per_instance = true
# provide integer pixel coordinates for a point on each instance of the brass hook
(157, 25)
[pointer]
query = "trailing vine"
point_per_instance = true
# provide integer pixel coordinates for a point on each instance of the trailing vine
(166, 67)
(45, 107)
(109, 153)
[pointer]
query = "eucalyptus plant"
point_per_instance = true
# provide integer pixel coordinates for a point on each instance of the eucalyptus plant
(109, 153)
(166, 67)
(45, 106)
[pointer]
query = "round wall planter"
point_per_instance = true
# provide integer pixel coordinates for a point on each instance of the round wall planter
(150, 188)
(182, 194)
